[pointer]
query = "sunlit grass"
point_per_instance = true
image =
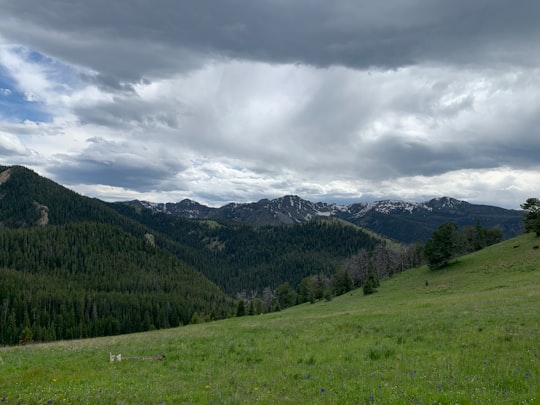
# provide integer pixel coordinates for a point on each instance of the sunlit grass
(469, 333)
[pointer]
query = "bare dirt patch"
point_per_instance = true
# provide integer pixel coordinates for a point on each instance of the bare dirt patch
(4, 176)
(44, 214)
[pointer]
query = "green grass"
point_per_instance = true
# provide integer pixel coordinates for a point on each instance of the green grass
(468, 334)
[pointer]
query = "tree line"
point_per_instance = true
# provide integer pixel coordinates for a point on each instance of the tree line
(362, 269)
(369, 265)
(448, 242)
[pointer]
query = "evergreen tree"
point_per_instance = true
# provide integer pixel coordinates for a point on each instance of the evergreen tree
(285, 295)
(241, 309)
(371, 284)
(532, 217)
(342, 281)
(305, 291)
(443, 245)
(479, 237)
(251, 310)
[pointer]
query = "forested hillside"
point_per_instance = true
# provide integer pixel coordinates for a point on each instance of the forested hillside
(28, 199)
(71, 266)
(90, 279)
(240, 257)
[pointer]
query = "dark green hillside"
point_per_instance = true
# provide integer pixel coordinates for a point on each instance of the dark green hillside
(27, 199)
(241, 257)
(73, 267)
(90, 279)
(268, 256)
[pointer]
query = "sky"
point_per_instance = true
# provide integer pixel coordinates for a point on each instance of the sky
(237, 100)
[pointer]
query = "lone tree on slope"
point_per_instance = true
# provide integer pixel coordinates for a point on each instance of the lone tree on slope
(443, 245)
(532, 218)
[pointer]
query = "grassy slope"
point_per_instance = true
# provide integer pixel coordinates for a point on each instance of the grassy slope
(471, 335)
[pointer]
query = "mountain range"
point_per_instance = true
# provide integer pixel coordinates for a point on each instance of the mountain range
(73, 266)
(402, 221)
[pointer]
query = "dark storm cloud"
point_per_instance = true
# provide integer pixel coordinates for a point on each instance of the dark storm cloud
(106, 83)
(129, 113)
(395, 155)
(116, 164)
(129, 40)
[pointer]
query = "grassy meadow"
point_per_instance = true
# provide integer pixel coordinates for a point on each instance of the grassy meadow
(467, 334)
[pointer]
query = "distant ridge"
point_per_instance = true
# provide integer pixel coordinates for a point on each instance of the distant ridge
(399, 220)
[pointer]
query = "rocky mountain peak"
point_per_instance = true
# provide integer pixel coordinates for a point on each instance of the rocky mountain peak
(401, 220)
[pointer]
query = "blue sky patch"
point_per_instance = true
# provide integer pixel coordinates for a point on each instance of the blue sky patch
(14, 107)
(14, 104)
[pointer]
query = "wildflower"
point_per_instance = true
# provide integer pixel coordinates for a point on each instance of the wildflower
(323, 390)
(207, 387)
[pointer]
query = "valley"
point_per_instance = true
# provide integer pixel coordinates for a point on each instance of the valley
(465, 334)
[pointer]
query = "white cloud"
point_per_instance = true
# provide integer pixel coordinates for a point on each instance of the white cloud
(10, 144)
(323, 128)
(30, 77)
(509, 187)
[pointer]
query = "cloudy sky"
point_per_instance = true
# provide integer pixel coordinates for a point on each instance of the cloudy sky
(238, 100)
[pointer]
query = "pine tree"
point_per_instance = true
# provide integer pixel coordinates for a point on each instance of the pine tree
(342, 281)
(241, 310)
(371, 284)
(443, 245)
(532, 218)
